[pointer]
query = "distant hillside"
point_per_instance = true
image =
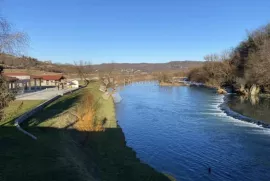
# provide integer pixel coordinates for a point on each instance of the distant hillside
(13, 62)
(151, 67)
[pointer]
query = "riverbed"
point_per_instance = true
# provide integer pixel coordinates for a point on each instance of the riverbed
(183, 132)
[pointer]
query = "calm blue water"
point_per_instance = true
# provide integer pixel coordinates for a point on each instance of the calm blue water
(181, 131)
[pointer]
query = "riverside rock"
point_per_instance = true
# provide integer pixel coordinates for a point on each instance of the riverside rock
(254, 90)
(221, 91)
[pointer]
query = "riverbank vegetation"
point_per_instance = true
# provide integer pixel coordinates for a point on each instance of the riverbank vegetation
(164, 78)
(171, 78)
(68, 148)
(245, 69)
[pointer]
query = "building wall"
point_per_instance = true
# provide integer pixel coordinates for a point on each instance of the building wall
(49, 82)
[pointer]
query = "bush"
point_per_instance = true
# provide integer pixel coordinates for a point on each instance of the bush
(164, 78)
(213, 73)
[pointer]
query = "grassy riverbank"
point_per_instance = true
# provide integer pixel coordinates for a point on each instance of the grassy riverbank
(62, 152)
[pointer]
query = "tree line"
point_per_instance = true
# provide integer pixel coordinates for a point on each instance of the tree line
(244, 68)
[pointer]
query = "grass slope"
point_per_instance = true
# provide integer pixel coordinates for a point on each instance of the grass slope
(17, 108)
(63, 153)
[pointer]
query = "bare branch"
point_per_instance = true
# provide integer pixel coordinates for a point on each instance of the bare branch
(83, 69)
(11, 42)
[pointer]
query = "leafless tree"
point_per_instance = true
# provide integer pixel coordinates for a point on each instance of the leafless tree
(260, 35)
(216, 71)
(11, 42)
(226, 55)
(83, 69)
(245, 68)
(212, 57)
(108, 77)
(258, 66)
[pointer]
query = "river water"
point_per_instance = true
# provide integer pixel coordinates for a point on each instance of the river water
(182, 131)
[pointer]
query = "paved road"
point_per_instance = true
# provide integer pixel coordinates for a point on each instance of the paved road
(43, 94)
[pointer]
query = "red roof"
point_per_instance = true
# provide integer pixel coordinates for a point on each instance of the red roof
(15, 74)
(44, 77)
(36, 77)
(52, 77)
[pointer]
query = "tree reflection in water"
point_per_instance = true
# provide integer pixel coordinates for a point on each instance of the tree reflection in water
(254, 106)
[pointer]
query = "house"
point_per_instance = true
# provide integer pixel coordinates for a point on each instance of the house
(11, 81)
(15, 80)
(73, 83)
(27, 81)
(51, 80)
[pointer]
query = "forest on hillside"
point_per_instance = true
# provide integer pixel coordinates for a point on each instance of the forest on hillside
(245, 68)
(25, 62)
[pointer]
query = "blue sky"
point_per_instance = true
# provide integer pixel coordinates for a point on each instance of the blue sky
(102, 31)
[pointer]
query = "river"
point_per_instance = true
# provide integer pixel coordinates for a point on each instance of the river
(182, 131)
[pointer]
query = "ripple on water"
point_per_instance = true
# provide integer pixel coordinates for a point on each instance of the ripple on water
(183, 131)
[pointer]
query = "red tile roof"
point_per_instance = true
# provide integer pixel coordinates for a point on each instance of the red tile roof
(52, 77)
(15, 74)
(44, 77)
(36, 77)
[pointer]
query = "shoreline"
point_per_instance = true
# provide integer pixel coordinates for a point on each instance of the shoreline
(229, 112)
(165, 175)
(234, 114)
(172, 84)
(120, 144)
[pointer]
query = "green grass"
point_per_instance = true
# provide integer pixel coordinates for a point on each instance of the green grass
(63, 153)
(17, 108)
(106, 109)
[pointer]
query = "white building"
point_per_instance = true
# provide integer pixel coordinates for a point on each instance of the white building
(73, 83)
(23, 80)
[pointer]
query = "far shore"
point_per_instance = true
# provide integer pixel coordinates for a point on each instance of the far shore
(171, 84)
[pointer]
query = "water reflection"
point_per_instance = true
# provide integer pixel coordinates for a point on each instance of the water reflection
(254, 106)
(182, 131)
(254, 100)
(165, 89)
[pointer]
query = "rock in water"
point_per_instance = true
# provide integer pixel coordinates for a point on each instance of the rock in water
(254, 90)
(116, 97)
(221, 91)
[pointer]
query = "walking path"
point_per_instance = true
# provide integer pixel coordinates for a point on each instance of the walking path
(43, 94)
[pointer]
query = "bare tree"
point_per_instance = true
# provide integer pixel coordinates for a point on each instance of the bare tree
(258, 66)
(83, 68)
(212, 57)
(259, 35)
(226, 55)
(109, 81)
(108, 78)
(11, 42)
(216, 71)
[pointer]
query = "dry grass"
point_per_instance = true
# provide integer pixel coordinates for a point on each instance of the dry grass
(86, 114)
